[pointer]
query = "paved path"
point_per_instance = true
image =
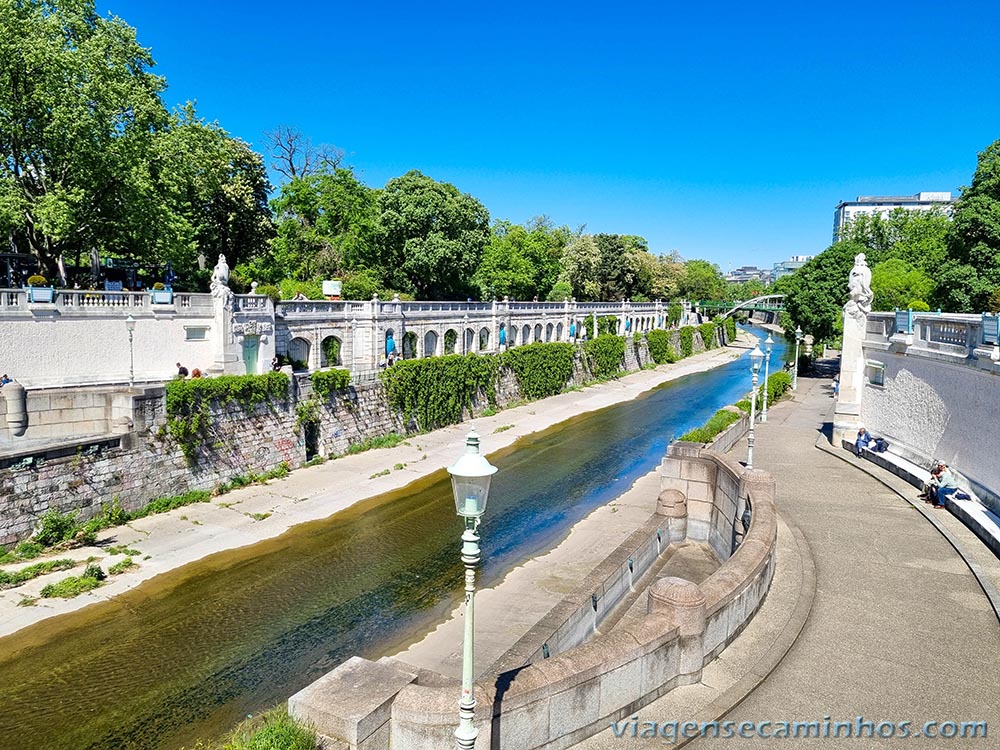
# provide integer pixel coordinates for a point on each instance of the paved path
(899, 629)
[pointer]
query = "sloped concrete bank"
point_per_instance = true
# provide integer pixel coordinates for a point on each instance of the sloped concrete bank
(554, 700)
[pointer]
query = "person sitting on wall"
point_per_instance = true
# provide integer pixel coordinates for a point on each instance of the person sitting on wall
(195, 373)
(276, 364)
(182, 371)
(864, 437)
(4, 380)
(943, 484)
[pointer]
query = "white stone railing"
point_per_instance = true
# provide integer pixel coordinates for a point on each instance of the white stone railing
(960, 338)
(85, 300)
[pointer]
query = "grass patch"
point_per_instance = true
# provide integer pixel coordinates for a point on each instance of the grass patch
(399, 467)
(707, 432)
(121, 567)
(503, 428)
(121, 549)
(379, 441)
(379, 474)
(271, 730)
(9, 580)
(315, 461)
(75, 585)
(164, 504)
(259, 516)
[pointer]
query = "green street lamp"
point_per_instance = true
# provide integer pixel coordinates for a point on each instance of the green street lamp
(756, 358)
(130, 327)
(768, 345)
(470, 482)
(795, 372)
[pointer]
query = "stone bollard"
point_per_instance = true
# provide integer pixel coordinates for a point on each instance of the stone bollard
(673, 505)
(17, 408)
(684, 603)
(758, 483)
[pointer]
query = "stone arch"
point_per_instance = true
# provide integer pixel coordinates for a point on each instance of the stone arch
(526, 334)
(330, 352)
(484, 339)
(548, 331)
(298, 352)
(430, 343)
(470, 340)
(511, 335)
(409, 347)
(559, 331)
(538, 331)
(450, 339)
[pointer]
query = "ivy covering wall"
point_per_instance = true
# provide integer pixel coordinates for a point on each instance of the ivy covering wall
(660, 349)
(188, 402)
(435, 391)
(604, 356)
(541, 369)
(327, 382)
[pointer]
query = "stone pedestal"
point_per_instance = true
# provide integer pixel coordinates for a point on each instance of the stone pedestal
(847, 415)
(684, 603)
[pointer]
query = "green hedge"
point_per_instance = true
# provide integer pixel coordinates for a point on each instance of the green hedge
(187, 402)
(327, 382)
(674, 312)
(707, 331)
(707, 432)
(436, 390)
(606, 326)
(687, 341)
(541, 369)
(604, 356)
(660, 349)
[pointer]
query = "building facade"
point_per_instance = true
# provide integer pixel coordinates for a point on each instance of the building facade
(883, 205)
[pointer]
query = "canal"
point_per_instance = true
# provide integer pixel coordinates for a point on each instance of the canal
(189, 653)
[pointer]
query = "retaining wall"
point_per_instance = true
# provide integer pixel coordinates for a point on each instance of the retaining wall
(59, 463)
(556, 702)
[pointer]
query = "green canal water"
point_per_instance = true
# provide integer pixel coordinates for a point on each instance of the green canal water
(188, 654)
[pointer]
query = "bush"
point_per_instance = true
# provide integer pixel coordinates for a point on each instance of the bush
(93, 570)
(436, 391)
(660, 349)
(707, 432)
(331, 350)
(271, 291)
(674, 313)
(604, 356)
(541, 369)
(70, 586)
(778, 384)
(159, 286)
(272, 730)
(37, 280)
(707, 331)
(55, 527)
(606, 326)
(918, 305)
(687, 341)
(328, 382)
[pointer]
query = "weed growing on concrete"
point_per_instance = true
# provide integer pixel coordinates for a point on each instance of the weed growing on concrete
(75, 585)
(379, 474)
(122, 567)
(259, 516)
(121, 549)
(379, 441)
(399, 467)
(9, 580)
(503, 428)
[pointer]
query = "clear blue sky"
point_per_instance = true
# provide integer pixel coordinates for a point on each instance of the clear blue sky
(727, 131)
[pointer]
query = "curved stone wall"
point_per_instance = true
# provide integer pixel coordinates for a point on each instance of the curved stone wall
(557, 702)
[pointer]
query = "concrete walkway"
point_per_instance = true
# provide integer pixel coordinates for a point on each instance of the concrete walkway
(899, 629)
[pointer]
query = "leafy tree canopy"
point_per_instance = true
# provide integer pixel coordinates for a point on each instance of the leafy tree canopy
(898, 285)
(974, 239)
(702, 280)
(430, 236)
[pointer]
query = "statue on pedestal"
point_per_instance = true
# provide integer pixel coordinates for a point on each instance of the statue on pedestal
(220, 284)
(222, 308)
(847, 415)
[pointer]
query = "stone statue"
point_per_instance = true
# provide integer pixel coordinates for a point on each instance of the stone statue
(859, 286)
(220, 283)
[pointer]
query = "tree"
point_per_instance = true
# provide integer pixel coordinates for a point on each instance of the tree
(816, 293)
(520, 261)
(213, 191)
(974, 239)
(294, 155)
(623, 271)
(917, 237)
(897, 285)
(431, 237)
(78, 110)
(580, 262)
(326, 228)
(701, 280)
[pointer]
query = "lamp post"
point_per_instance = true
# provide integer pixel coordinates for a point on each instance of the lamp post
(795, 372)
(756, 357)
(470, 481)
(130, 326)
(768, 345)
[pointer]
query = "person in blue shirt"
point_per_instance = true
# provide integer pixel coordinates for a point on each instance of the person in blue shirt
(864, 437)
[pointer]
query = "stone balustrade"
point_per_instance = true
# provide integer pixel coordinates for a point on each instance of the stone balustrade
(556, 702)
(960, 339)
